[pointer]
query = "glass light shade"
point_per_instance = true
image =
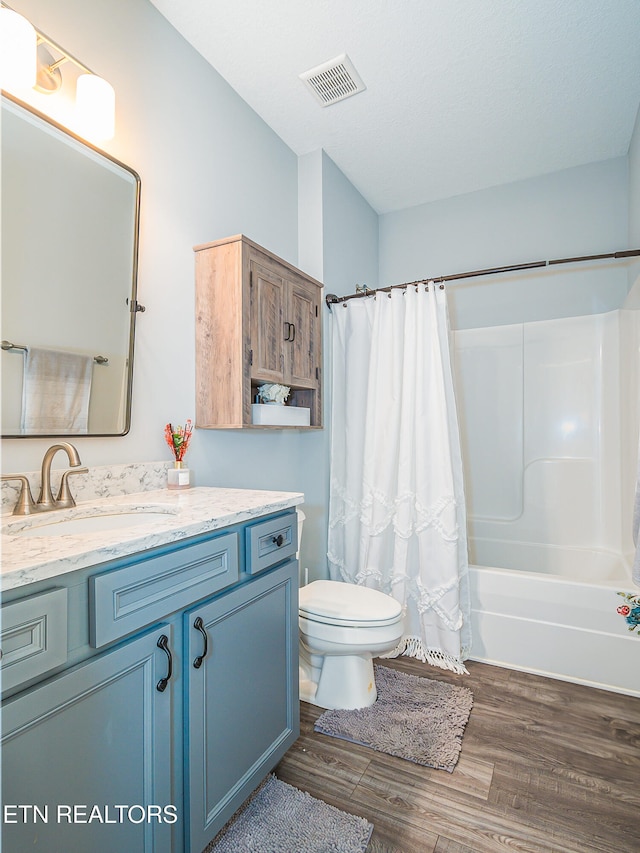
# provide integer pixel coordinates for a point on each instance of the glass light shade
(17, 51)
(95, 107)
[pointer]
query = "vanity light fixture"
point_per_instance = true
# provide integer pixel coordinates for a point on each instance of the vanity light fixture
(95, 107)
(18, 40)
(35, 63)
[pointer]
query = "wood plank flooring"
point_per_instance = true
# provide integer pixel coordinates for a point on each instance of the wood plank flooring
(545, 767)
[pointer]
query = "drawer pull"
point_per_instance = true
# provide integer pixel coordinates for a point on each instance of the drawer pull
(199, 626)
(278, 540)
(163, 643)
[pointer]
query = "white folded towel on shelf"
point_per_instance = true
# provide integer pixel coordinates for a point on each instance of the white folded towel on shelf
(55, 392)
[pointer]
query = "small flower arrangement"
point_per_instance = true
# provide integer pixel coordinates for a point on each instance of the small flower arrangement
(178, 439)
(273, 393)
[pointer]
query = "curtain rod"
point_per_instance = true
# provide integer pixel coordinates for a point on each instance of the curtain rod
(332, 299)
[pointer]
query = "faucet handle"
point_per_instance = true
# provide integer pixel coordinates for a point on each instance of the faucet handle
(24, 504)
(65, 498)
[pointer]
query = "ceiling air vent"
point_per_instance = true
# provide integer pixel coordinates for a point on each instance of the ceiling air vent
(333, 81)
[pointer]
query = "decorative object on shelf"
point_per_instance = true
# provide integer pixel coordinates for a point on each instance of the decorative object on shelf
(178, 477)
(271, 392)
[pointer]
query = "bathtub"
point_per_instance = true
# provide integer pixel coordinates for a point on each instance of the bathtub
(556, 615)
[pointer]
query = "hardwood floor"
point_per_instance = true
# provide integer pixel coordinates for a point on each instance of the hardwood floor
(545, 767)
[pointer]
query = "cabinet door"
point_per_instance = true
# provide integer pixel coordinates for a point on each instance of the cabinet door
(242, 702)
(33, 638)
(303, 338)
(267, 329)
(96, 737)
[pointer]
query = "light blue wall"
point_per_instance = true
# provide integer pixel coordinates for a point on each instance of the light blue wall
(350, 227)
(634, 186)
(210, 167)
(310, 235)
(339, 244)
(634, 198)
(578, 211)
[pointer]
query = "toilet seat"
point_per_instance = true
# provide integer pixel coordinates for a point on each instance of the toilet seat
(347, 605)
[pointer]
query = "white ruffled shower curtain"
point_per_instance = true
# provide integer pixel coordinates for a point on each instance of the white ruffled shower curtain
(397, 518)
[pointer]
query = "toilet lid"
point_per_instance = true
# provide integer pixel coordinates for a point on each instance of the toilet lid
(337, 603)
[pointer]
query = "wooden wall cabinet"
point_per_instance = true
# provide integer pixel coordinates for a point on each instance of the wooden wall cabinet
(258, 319)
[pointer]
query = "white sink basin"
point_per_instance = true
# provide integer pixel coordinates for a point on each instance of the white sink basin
(73, 525)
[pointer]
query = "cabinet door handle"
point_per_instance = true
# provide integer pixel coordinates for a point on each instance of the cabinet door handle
(199, 626)
(287, 330)
(163, 643)
(278, 540)
(292, 332)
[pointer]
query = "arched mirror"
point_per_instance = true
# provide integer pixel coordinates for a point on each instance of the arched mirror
(70, 218)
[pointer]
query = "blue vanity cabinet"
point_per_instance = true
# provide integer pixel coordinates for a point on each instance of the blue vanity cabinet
(242, 708)
(85, 742)
(146, 697)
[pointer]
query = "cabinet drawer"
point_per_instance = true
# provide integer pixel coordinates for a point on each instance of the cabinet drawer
(271, 542)
(127, 599)
(34, 636)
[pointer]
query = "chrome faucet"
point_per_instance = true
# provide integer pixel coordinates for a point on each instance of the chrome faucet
(46, 502)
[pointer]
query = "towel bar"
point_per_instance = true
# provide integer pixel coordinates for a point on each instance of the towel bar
(8, 346)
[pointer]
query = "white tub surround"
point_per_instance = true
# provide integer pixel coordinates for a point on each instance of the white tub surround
(165, 517)
(549, 421)
(556, 626)
(548, 414)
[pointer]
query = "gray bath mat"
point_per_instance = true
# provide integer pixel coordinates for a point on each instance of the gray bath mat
(413, 718)
(279, 818)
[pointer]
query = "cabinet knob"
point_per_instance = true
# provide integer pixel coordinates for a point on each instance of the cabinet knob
(278, 540)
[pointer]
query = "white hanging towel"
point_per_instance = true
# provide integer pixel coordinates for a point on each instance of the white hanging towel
(55, 392)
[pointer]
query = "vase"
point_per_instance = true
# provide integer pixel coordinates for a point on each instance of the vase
(178, 477)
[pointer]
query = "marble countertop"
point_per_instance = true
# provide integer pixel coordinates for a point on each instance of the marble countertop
(165, 516)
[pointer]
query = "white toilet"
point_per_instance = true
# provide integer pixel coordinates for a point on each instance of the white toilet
(342, 628)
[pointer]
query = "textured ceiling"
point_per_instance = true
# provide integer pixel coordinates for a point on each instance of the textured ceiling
(461, 94)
